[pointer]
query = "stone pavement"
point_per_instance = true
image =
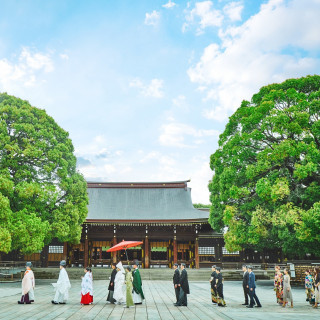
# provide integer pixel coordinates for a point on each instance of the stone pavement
(158, 305)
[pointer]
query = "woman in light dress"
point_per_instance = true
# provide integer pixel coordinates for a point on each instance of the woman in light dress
(129, 286)
(119, 285)
(287, 293)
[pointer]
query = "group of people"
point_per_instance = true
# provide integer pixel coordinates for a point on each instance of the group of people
(125, 287)
(283, 291)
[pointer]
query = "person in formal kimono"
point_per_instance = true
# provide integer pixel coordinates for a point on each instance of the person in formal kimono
(62, 286)
(28, 284)
(87, 287)
(278, 284)
(129, 288)
(119, 285)
(213, 278)
(184, 287)
(138, 295)
(219, 284)
(308, 284)
(111, 283)
(245, 285)
(176, 281)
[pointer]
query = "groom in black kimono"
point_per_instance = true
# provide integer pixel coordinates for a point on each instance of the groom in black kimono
(184, 287)
(111, 283)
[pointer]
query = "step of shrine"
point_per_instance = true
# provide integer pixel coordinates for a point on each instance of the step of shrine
(100, 273)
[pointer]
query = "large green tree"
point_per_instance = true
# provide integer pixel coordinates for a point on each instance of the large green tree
(266, 185)
(42, 196)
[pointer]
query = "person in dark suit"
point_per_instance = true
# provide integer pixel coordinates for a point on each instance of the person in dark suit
(219, 281)
(184, 287)
(252, 290)
(111, 283)
(213, 283)
(245, 285)
(176, 280)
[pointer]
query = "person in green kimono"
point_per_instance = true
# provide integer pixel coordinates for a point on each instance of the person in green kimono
(137, 284)
(129, 286)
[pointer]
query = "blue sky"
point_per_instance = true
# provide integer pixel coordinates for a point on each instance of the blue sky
(145, 87)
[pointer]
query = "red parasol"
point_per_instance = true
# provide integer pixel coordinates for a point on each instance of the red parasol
(124, 245)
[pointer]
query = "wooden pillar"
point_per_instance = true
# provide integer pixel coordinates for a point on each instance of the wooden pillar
(100, 254)
(44, 257)
(65, 251)
(175, 250)
(114, 253)
(86, 252)
(196, 253)
(146, 253)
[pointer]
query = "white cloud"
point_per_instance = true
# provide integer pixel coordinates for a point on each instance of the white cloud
(199, 182)
(152, 19)
(64, 56)
(233, 10)
(174, 134)
(179, 101)
(205, 15)
(154, 89)
(256, 53)
(169, 5)
(25, 71)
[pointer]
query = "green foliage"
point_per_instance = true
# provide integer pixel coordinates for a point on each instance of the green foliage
(200, 205)
(42, 196)
(266, 183)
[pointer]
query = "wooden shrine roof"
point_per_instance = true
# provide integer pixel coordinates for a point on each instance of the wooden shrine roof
(142, 201)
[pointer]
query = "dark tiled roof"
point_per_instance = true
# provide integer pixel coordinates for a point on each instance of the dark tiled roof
(142, 203)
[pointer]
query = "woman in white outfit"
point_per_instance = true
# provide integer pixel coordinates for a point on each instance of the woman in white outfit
(28, 284)
(62, 286)
(119, 285)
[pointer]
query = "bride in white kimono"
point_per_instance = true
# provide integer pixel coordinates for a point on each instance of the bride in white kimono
(119, 285)
(62, 286)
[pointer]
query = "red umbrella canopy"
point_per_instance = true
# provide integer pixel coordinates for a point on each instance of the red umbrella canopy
(123, 245)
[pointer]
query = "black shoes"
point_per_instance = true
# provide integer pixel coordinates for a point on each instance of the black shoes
(249, 306)
(259, 306)
(20, 302)
(245, 304)
(54, 302)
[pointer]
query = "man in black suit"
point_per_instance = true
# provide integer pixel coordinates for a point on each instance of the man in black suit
(176, 280)
(245, 285)
(252, 290)
(184, 287)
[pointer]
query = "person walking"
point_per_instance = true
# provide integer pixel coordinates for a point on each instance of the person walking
(287, 293)
(308, 284)
(138, 295)
(129, 288)
(219, 280)
(28, 284)
(184, 287)
(176, 281)
(252, 290)
(278, 285)
(213, 282)
(111, 283)
(316, 286)
(87, 287)
(62, 286)
(245, 285)
(119, 280)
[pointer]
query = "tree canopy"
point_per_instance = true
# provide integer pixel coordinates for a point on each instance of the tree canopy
(42, 196)
(266, 184)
